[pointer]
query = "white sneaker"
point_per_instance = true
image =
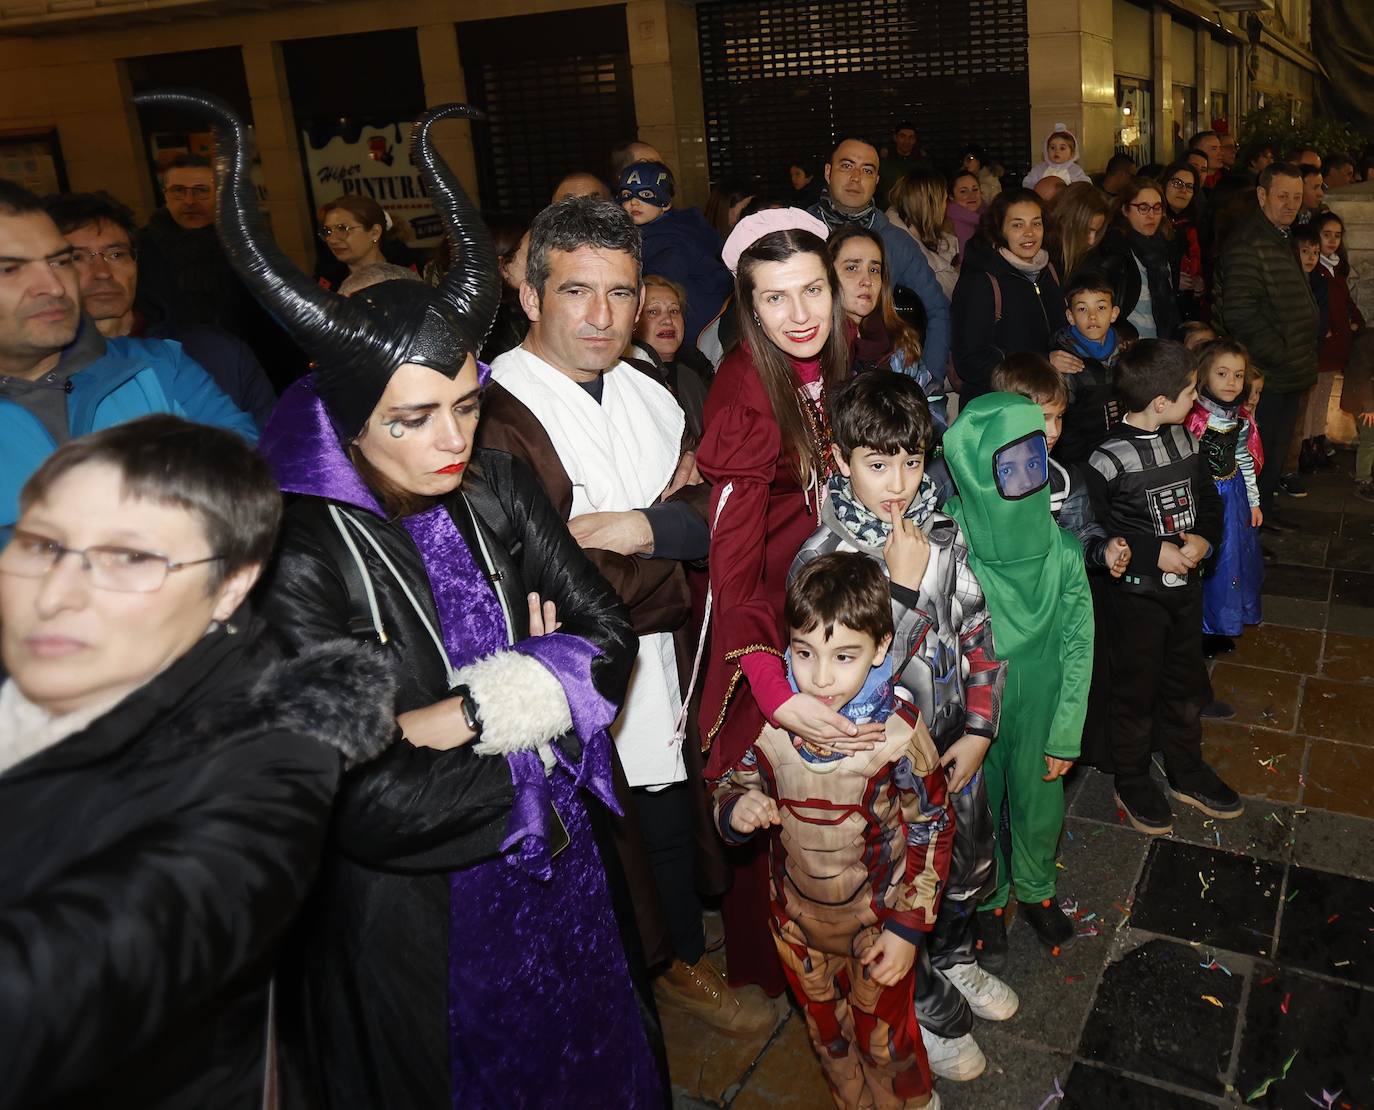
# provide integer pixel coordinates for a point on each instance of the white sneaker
(988, 997)
(956, 1058)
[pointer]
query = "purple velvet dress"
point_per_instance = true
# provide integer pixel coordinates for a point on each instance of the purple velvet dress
(539, 990)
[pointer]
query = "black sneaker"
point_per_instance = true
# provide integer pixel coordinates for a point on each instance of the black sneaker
(1325, 447)
(1218, 710)
(990, 940)
(1212, 646)
(1291, 485)
(1365, 490)
(1203, 790)
(1145, 805)
(1051, 924)
(1275, 524)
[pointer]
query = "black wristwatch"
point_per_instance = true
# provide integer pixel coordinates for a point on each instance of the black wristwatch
(471, 713)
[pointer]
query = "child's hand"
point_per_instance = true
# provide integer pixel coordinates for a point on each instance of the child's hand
(1256, 516)
(543, 616)
(1118, 556)
(1194, 548)
(889, 959)
(755, 810)
(963, 759)
(814, 721)
(1171, 560)
(906, 552)
(1056, 767)
(1367, 419)
(1066, 363)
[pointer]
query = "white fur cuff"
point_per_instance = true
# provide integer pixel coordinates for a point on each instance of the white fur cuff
(521, 703)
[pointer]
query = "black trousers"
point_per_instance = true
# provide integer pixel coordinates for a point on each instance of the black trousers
(1277, 416)
(940, 1008)
(665, 818)
(1159, 681)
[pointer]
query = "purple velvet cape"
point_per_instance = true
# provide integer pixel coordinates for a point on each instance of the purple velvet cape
(540, 998)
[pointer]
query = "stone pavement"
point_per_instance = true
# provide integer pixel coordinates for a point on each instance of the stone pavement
(1217, 959)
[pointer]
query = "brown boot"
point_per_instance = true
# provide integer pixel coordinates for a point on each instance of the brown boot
(698, 989)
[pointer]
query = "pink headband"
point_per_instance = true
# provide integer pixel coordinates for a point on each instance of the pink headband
(753, 228)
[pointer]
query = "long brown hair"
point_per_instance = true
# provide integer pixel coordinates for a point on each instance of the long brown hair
(1071, 218)
(905, 340)
(773, 367)
(921, 198)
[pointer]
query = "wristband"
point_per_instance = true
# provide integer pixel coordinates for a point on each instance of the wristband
(471, 712)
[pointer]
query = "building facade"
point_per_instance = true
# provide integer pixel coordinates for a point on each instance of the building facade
(724, 88)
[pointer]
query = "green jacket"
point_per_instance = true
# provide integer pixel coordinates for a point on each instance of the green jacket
(1262, 298)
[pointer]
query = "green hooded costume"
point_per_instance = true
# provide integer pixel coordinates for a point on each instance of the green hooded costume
(1032, 574)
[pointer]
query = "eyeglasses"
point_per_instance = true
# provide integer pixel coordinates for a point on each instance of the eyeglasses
(330, 230)
(181, 192)
(1181, 185)
(113, 256)
(119, 569)
(1147, 209)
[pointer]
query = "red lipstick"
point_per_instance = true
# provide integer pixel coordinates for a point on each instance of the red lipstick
(452, 468)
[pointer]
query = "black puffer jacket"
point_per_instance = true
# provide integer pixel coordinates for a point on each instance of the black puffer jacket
(365, 1006)
(152, 865)
(1262, 298)
(1031, 312)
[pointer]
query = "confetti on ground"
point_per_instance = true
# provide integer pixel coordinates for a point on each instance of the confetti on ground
(1332, 919)
(1276, 819)
(1266, 981)
(1205, 884)
(1341, 963)
(1296, 892)
(1214, 1000)
(1056, 1095)
(1213, 965)
(1060, 866)
(1328, 1099)
(1090, 931)
(1264, 1087)
(1287, 998)
(1073, 978)
(1217, 833)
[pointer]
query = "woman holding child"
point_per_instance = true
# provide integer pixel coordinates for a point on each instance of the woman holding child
(766, 449)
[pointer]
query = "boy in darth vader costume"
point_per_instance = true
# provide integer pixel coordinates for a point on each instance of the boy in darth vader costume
(1032, 575)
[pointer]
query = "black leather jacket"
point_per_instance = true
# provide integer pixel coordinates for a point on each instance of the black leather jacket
(365, 991)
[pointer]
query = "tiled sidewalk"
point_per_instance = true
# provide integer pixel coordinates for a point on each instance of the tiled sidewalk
(1223, 952)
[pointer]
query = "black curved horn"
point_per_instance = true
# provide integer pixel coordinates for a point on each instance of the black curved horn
(317, 318)
(472, 287)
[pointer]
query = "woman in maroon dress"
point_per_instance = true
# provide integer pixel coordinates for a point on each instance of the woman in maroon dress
(766, 448)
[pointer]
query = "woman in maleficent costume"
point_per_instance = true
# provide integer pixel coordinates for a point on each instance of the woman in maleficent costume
(461, 949)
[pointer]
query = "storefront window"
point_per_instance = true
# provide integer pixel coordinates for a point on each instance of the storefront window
(1134, 116)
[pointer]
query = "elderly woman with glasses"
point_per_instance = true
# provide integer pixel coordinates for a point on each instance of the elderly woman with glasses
(1136, 253)
(165, 787)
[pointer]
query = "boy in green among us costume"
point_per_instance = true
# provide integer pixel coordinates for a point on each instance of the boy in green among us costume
(1037, 595)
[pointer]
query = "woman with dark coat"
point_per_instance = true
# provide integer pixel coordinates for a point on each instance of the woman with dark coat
(1137, 255)
(1182, 187)
(1007, 299)
(165, 786)
(462, 948)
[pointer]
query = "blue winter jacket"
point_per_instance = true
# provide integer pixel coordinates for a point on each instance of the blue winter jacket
(133, 378)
